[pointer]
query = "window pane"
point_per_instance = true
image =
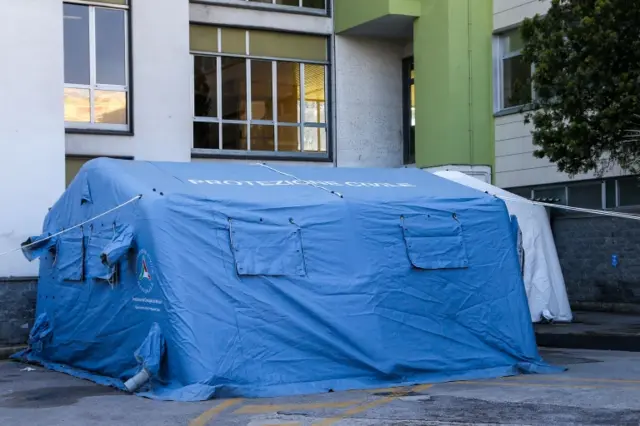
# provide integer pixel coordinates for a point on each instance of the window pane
(513, 41)
(234, 89)
(516, 81)
(588, 196)
(76, 44)
(205, 86)
(315, 139)
(110, 107)
(550, 195)
(314, 93)
(261, 91)
(318, 4)
(203, 38)
(288, 92)
(274, 44)
(629, 191)
(611, 194)
(110, 47)
(234, 40)
(523, 192)
(206, 136)
(288, 138)
(262, 138)
(77, 105)
(288, 2)
(234, 136)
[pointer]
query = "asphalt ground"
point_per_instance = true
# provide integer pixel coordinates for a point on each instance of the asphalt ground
(600, 388)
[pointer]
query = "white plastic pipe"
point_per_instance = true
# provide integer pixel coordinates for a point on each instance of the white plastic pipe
(136, 381)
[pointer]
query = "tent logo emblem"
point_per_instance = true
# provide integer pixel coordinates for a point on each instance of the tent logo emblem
(145, 272)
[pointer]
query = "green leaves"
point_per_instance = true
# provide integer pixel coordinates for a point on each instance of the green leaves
(587, 81)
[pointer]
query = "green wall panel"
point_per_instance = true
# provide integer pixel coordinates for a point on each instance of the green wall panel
(351, 13)
(453, 66)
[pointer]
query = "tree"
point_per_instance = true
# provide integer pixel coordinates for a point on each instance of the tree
(586, 56)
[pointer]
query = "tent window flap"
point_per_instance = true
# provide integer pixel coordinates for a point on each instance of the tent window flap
(435, 241)
(267, 249)
(69, 264)
(98, 240)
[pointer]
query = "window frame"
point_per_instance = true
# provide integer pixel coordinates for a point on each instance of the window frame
(273, 6)
(325, 156)
(499, 56)
(603, 182)
(105, 128)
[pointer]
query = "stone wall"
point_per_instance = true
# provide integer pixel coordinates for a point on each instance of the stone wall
(585, 246)
(17, 309)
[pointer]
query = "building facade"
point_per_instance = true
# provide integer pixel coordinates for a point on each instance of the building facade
(317, 82)
(327, 83)
(598, 254)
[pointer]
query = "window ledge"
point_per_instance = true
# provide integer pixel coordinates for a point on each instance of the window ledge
(520, 109)
(74, 131)
(297, 10)
(258, 155)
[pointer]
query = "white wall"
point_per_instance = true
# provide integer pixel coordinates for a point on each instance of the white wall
(31, 123)
(515, 163)
(368, 102)
(507, 13)
(162, 112)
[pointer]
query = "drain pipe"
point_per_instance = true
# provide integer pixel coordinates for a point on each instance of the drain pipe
(134, 383)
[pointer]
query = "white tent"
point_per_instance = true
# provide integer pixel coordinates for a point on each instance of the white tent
(543, 278)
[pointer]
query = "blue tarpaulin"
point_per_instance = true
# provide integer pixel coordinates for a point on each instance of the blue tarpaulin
(246, 280)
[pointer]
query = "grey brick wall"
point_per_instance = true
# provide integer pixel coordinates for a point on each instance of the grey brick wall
(585, 246)
(17, 310)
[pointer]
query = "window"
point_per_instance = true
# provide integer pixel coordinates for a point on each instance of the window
(513, 74)
(597, 194)
(409, 111)
(259, 92)
(586, 195)
(96, 74)
(629, 191)
(522, 192)
(313, 4)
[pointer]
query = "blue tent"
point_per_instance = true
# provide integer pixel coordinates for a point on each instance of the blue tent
(254, 280)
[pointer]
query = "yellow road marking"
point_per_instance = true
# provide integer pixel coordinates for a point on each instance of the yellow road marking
(205, 417)
(400, 390)
(270, 408)
(397, 392)
(525, 384)
(354, 411)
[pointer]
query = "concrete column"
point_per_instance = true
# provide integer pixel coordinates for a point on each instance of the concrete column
(162, 71)
(32, 145)
(453, 67)
(368, 102)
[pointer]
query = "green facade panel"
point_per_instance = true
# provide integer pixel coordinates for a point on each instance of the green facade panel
(352, 13)
(453, 83)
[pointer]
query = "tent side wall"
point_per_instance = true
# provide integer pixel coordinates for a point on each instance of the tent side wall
(361, 314)
(543, 279)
